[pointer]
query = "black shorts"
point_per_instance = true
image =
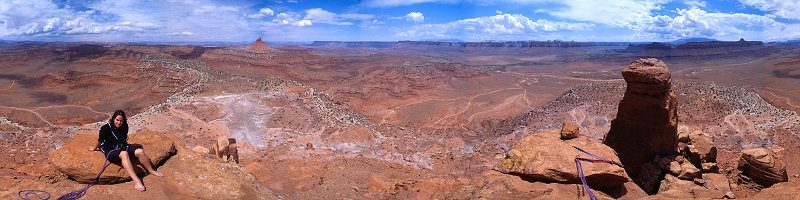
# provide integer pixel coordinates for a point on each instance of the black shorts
(113, 155)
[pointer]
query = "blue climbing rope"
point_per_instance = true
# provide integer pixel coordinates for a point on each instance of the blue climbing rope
(597, 159)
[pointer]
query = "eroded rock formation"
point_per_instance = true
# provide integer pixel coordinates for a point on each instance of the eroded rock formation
(259, 46)
(761, 165)
(226, 149)
(646, 123)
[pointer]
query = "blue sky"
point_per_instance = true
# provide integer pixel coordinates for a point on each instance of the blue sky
(393, 20)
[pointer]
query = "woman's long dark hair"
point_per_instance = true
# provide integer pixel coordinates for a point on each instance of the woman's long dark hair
(124, 126)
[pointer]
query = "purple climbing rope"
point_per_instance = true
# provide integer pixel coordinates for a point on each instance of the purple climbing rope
(23, 194)
(597, 159)
(77, 194)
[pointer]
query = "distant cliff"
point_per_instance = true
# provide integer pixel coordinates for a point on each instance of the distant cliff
(367, 44)
(694, 48)
(488, 44)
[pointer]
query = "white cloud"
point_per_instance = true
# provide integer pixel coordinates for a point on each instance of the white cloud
(505, 26)
(44, 18)
(319, 15)
(789, 9)
(695, 3)
(695, 22)
(616, 13)
(289, 18)
(304, 22)
(415, 17)
(264, 12)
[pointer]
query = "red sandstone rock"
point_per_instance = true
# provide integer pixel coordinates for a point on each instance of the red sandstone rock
(569, 130)
(496, 185)
(544, 157)
(762, 166)
(81, 165)
(689, 171)
(784, 190)
(701, 148)
(646, 123)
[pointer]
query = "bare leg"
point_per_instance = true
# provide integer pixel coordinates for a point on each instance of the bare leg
(126, 163)
(146, 162)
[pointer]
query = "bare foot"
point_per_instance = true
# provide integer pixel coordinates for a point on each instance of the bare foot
(139, 187)
(156, 173)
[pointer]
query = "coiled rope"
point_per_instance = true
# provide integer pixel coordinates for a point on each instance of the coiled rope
(23, 194)
(596, 159)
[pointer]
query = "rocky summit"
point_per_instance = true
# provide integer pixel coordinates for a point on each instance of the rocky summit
(544, 157)
(647, 120)
(81, 165)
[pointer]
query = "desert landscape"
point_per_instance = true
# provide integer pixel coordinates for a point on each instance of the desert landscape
(519, 117)
(378, 122)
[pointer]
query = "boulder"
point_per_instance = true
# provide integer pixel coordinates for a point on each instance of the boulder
(689, 172)
(544, 157)
(675, 168)
(716, 182)
(761, 165)
(647, 119)
(674, 188)
(81, 165)
(495, 185)
(569, 130)
(701, 148)
(709, 167)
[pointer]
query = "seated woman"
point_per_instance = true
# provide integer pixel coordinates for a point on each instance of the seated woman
(114, 139)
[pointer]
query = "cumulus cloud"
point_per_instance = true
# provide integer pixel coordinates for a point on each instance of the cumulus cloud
(122, 20)
(789, 9)
(290, 18)
(44, 18)
(695, 22)
(415, 17)
(502, 26)
(264, 12)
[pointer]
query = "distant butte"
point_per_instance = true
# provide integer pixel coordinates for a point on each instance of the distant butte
(259, 46)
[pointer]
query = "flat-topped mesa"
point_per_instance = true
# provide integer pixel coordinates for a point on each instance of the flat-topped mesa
(646, 122)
